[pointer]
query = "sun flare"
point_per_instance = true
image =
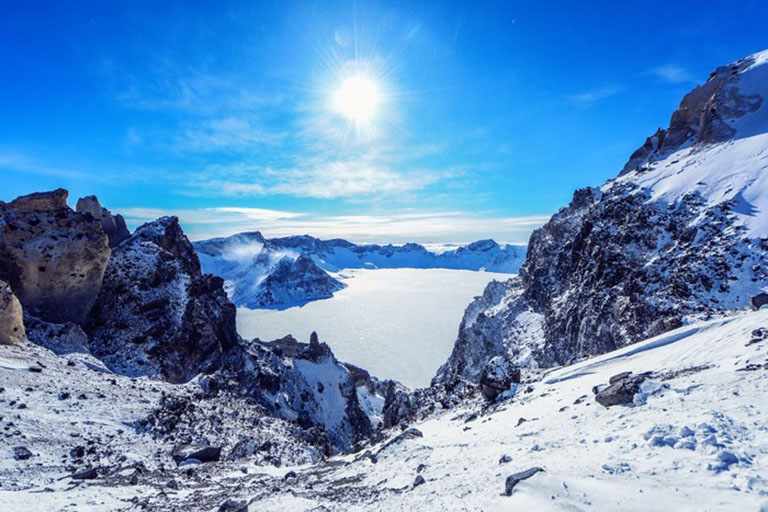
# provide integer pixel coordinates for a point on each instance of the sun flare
(357, 99)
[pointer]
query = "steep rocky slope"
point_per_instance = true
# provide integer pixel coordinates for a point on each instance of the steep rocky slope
(680, 234)
(157, 313)
(281, 272)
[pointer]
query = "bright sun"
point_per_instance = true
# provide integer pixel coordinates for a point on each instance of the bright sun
(357, 99)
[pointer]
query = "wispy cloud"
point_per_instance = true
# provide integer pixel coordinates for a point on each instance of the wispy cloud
(592, 96)
(361, 177)
(398, 227)
(672, 73)
(226, 133)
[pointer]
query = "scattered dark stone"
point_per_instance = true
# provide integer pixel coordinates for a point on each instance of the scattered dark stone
(202, 453)
(64, 395)
(172, 484)
(35, 368)
(291, 475)
(22, 406)
(71, 363)
(21, 453)
(134, 479)
(88, 474)
(233, 505)
(618, 377)
(418, 481)
(421, 467)
(498, 376)
(621, 390)
(82, 396)
(505, 459)
(758, 301)
(513, 480)
(521, 421)
(77, 452)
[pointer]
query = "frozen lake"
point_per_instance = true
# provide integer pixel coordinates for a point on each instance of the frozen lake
(395, 323)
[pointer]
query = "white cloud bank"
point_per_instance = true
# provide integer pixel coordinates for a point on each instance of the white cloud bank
(407, 226)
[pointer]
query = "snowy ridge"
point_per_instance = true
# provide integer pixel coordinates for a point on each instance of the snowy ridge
(681, 234)
(261, 272)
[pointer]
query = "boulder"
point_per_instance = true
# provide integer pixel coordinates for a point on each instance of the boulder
(63, 338)
(113, 225)
(11, 317)
(234, 505)
(197, 452)
(758, 301)
(621, 389)
(52, 257)
(513, 480)
(498, 376)
(157, 313)
(663, 325)
(21, 453)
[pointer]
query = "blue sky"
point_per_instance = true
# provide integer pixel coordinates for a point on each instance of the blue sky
(489, 116)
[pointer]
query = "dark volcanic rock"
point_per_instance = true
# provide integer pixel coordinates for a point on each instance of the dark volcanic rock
(64, 338)
(513, 480)
(758, 301)
(497, 377)
(621, 389)
(52, 257)
(202, 453)
(21, 453)
(157, 313)
(308, 386)
(234, 505)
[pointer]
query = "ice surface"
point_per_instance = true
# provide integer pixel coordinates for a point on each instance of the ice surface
(395, 323)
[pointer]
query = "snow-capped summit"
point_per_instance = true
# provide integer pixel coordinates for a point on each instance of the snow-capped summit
(681, 233)
(263, 272)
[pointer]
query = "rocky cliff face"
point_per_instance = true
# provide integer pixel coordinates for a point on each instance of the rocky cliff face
(11, 317)
(680, 234)
(157, 313)
(303, 383)
(52, 257)
(113, 225)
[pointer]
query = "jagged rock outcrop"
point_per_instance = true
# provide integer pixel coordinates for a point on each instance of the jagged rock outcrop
(11, 317)
(60, 338)
(113, 225)
(157, 313)
(52, 257)
(498, 376)
(301, 382)
(294, 281)
(677, 236)
(704, 116)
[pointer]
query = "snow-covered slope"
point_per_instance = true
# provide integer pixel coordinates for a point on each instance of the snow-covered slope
(262, 272)
(680, 234)
(697, 440)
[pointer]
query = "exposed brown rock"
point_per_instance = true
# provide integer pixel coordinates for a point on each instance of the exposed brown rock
(52, 257)
(114, 225)
(11, 318)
